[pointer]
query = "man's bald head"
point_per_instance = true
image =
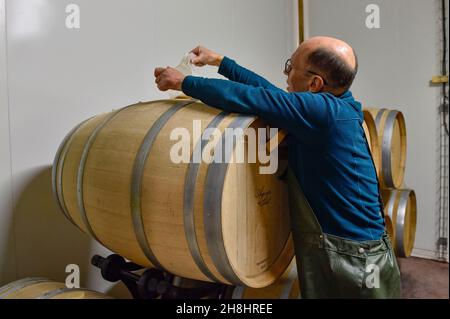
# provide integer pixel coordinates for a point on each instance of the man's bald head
(332, 59)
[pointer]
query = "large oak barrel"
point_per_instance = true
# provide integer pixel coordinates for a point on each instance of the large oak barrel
(391, 130)
(114, 178)
(400, 206)
(43, 288)
(370, 130)
(286, 287)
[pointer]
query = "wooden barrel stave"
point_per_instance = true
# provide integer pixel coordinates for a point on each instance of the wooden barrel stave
(71, 164)
(170, 179)
(110, 170)
(197, 196)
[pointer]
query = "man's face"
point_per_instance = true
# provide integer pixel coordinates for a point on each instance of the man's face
(296, 71)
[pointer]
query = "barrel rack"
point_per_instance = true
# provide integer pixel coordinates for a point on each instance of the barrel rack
(154, 283)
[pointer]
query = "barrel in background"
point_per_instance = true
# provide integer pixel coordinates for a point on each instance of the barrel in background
(400, 203)
(391, 129)
(401, 208)
(370, 131)
(389, 225)
(44, 288)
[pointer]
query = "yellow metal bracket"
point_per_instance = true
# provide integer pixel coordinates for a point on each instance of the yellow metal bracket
(438, 79)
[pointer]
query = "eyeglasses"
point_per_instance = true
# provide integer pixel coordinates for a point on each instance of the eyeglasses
(288, 66)
(288, 69)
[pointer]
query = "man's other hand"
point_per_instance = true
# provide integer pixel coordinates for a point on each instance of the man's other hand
(204, 56)
(168, 79)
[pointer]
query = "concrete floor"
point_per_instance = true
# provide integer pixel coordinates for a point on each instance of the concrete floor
(424, 279)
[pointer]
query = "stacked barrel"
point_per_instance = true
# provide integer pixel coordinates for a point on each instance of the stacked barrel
(44, 288)
(385, 130)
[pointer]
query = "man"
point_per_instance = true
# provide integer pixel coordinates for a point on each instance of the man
(337, 221)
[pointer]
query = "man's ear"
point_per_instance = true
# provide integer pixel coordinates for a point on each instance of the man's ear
(316, 85)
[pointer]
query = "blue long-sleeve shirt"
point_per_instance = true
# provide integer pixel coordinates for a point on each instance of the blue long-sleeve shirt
(327, 149)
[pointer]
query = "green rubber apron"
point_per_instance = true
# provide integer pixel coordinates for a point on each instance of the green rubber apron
(333, 267)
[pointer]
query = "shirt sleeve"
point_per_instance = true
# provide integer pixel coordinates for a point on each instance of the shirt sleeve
(234, 72)
(307, 116)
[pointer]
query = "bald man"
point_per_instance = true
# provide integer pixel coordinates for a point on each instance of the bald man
(336, 211)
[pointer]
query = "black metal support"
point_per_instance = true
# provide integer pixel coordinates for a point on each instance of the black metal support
(153, 283)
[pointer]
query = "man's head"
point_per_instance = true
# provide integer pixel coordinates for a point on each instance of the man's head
(321, 64)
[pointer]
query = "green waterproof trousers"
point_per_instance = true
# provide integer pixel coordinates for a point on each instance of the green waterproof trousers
(332, 267)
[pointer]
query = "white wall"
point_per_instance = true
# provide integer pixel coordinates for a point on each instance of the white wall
(7, 257)
(58, 77)
(397, 62)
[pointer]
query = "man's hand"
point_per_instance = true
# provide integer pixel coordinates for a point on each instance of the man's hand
(205, 56)
(168, 78)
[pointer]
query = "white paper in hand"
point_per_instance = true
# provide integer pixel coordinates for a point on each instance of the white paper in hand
(184, 67)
